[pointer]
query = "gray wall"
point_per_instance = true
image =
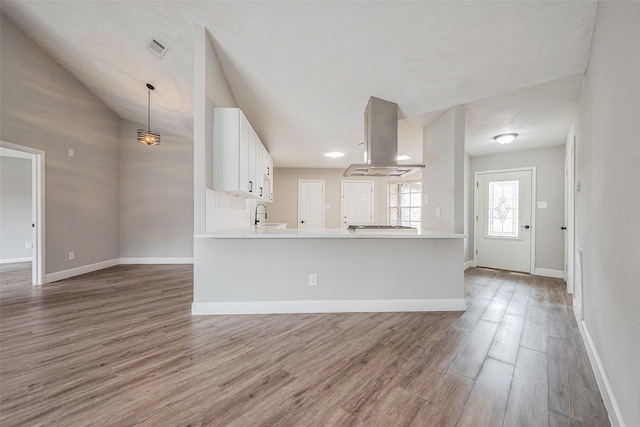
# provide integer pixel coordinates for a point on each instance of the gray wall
(15, 208)
(443, 175)
(422, 269)
(44, 107)
(468, 209)
(156, 195)
(608, 203)
(549, 163)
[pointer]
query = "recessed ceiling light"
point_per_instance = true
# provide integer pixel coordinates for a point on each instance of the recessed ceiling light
(334, 154)
(505, 138)
(403, 157)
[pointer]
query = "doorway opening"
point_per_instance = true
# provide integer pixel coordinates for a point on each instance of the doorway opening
(504, 219)
(33, 239)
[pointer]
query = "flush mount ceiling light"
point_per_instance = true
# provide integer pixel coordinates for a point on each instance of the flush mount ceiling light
(505, 138)
(403, 157)
(334, 154)
(148, 136)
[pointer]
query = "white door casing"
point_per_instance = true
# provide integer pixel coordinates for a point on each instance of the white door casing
(504, 231)
(310, 204)
(357, 203)
(569, 213)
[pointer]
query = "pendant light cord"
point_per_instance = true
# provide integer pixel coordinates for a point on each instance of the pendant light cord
(149, 109)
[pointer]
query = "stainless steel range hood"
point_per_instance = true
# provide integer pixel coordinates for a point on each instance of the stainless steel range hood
(381, 142)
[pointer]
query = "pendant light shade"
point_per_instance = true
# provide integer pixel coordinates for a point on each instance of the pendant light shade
(148, 136)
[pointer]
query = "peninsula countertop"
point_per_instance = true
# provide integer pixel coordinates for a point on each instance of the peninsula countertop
(253, 232)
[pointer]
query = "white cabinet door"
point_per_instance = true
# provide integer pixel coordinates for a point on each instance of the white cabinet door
(244, 148)
(251, 163)
(230, 151)
(267, 167)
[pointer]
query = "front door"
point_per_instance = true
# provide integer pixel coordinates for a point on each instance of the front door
(357, 203)
(310, 204)
(504, 227)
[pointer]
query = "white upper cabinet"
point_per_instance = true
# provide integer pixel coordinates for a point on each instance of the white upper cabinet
(267, 175)
(241, 164)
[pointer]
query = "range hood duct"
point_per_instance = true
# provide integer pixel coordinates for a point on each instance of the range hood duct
(381, 142)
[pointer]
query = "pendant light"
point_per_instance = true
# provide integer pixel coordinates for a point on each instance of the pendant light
(148, 136)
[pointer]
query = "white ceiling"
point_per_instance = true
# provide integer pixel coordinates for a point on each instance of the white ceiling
(303, 71)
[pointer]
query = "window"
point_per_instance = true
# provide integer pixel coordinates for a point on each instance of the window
(405, 203)
(502, 214)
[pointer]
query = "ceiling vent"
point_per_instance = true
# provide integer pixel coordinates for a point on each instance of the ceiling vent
(157, 48)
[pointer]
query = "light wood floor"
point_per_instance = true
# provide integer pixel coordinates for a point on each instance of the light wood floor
(119, 347)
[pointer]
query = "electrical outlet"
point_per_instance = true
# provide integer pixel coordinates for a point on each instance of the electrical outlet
(313, 279)
(438, 212)
(70, 152)
(29, 245)
(72, 255)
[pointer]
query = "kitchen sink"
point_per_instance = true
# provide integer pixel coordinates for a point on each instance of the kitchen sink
(274, 225)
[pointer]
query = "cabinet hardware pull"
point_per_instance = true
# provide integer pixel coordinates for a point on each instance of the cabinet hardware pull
(250, 186)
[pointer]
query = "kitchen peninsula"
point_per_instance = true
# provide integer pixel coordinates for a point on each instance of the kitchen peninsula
(262, 270)
(270, 271)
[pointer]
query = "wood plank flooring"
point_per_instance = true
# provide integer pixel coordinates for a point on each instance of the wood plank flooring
(120, 347)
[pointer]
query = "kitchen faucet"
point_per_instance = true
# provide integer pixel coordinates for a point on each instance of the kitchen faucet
(265, 213)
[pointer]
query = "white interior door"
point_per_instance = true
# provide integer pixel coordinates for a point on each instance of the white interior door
(357, 203)
(504, 220)
(310, 204)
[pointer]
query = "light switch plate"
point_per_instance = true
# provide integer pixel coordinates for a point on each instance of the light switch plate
(70, 152)
(438, 212)
(327, 206)
(426, 199)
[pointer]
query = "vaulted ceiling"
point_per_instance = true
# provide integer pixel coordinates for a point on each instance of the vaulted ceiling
(303, 71)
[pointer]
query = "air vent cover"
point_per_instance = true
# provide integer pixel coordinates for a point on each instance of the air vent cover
(157, 48)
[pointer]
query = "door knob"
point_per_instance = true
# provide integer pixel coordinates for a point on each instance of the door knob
(526, 227)
(563, 228)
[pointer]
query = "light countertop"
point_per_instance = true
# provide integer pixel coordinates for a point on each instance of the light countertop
(326, 233)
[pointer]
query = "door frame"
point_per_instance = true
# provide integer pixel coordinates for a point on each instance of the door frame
(38, 209)
(570, 205)
(300, 181)
(373, 194)
(532, 251)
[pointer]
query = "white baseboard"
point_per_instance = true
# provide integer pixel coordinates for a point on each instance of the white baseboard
(150, 260)
(558, 274)
(65, 274)
(469, 264)
(12, 260)
(610, 402)
(326, 306)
